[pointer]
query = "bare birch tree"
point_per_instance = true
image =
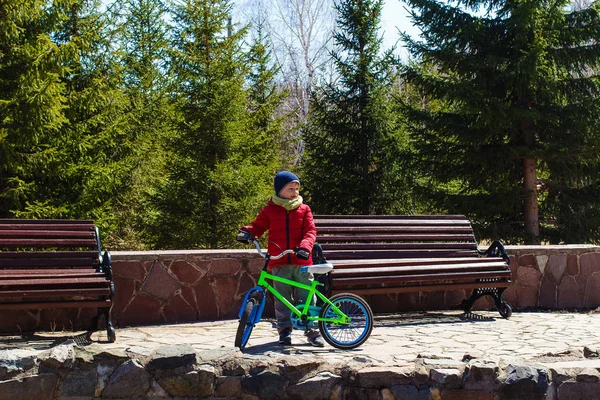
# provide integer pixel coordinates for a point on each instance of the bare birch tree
(301, 32)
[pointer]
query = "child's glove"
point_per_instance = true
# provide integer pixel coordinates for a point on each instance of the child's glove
(244, 237)
(302, 254)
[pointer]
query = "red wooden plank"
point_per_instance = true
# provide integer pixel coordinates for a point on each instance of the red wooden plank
(50, 263)
(48, 254)
(54, 281)
(34, 234)
(37, 243)
(396, 238)
(33, 275)
(48, 227)
(425, 278)
(42, 293)
(400, 270)
(387, 262)
(376, 230)
(42, 305)
(393, 217)
(398, 246)
(420, 288)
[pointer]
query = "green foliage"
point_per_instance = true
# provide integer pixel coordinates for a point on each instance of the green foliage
(515, 83)
(224, 151)
(355, 141)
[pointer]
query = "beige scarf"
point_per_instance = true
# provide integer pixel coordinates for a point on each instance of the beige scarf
(287, 204)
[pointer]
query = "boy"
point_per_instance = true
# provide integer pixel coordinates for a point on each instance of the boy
(291, 226)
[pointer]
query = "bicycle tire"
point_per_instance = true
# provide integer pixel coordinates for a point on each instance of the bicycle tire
(355, 333)
(245, 328)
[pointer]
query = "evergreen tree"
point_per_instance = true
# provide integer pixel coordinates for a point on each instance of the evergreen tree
(517, 128)
(196, 204)
(145, 52)
(354, 138)
(33, 98)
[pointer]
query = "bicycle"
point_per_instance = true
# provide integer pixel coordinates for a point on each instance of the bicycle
(345, 320)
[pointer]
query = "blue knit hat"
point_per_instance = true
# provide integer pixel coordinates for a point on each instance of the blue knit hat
(283, 178)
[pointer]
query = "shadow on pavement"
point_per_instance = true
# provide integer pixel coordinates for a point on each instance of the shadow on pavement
(428, 318)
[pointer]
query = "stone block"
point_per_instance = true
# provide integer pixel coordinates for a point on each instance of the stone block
(205, 298)
(548, 292)
(589, 264)
(226, 288)
(524, 383)
(569, 295)
(319, 386)
(142, 310)
(572, 266)
(61, 356)
(171, 357)
(160, 283)
(125, 290)
(265, 384)
(466, 395)
(578, 391)
(129, 380)
(185, 272)
(446, 377)
(481, 375)
(38, 387)
(200, 383)
(178, 310)
(229, 387)
(528, 260)
(592, 292)
(224, 266)
(79, 383)
(557, 264)
(135, 270)
(379, 377)
(410, 392)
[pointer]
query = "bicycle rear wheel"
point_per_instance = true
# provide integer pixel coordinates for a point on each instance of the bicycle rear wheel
(246, 324)
(353, 334)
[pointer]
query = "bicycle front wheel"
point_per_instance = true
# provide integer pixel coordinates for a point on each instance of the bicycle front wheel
(246, 324)
(353, 334)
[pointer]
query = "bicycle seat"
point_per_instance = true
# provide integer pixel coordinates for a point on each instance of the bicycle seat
(317, 268)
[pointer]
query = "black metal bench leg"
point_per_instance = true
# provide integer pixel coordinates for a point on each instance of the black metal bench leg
(110, 330)
(503, 307)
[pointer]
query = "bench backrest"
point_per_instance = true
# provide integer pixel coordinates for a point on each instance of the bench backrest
(47, 244)
(399, 236)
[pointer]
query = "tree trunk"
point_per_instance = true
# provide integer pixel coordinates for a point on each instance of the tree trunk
(530, 207)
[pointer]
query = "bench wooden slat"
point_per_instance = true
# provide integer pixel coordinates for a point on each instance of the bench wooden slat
(415, 269)
(42, 293)
(55, 304)
(58, 242)
(60, 281)
(398, 246)
(422, 288)
(40, 274)
(391, 280)
(319, 217)
(393, 238)
(366, 255)
(52, 263)
(377, 230)
(358, 263)
(46, 234)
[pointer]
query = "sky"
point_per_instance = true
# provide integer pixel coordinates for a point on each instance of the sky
(393, 17)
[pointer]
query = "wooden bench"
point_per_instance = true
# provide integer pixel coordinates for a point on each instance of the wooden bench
(47, 264)
(399, 254)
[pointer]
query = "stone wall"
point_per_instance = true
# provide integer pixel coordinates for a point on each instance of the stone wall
(157, 287)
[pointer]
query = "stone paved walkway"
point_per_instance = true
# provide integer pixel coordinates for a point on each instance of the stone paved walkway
(551, 339)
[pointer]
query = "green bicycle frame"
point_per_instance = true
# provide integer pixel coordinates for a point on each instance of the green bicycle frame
(340, 318)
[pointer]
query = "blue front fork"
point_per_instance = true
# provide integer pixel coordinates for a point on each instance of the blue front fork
(257, 311)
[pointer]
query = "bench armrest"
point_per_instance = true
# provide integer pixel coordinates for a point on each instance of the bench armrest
(496, 249)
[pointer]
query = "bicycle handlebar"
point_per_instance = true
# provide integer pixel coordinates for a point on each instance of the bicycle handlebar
(257, 245)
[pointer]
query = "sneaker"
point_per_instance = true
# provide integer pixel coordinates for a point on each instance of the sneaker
(285, 337)
(315, 339)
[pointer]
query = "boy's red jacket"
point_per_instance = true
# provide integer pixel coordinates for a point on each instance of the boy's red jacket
(287, 230)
